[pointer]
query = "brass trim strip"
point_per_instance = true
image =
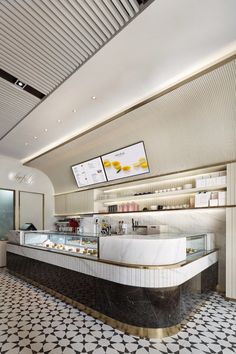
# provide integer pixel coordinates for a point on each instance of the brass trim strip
(230, 299)
(140, 104)
(140, 266)
(124, 327)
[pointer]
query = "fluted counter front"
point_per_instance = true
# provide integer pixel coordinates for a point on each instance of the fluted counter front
(139, 299)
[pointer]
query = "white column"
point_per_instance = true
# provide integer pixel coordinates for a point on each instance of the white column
(231, 232)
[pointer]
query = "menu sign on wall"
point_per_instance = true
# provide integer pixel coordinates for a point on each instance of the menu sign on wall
(89, 172)
(126, 162)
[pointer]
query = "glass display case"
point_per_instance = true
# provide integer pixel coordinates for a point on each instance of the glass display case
(195, 244)
(86, 244)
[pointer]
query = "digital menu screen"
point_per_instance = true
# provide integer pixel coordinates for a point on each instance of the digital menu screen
(126, 162)
(89, 172)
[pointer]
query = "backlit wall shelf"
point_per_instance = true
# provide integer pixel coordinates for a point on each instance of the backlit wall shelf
(168, 193)
(145, 212)
(161, 195)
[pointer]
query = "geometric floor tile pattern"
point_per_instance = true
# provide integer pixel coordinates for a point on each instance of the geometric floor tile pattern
(32, 321)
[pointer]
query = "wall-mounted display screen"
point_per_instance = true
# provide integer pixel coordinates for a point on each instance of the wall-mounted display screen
(126, 162)
(89, 172)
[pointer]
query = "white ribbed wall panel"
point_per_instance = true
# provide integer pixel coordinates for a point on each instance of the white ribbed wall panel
(231, 184)
(231, 233)
(231, 253)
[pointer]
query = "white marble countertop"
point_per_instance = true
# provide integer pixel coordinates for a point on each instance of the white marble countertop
(144, 250)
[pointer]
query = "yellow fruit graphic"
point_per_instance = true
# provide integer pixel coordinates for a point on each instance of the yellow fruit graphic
(144, 165)
(126, 168)
(106, 163)
(142, 159)
(116, 165)
(136, 164)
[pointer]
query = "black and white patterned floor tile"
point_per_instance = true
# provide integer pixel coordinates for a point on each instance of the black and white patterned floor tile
(32, 321)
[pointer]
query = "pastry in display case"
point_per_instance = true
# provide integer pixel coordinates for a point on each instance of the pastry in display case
(195, 244)
(77, 244)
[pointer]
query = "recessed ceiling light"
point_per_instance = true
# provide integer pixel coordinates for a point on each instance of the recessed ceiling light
(46, 129)
(20, 84)
(59, 121)
(35, 137)
(93, 97)
(26, 144)
(74, 110)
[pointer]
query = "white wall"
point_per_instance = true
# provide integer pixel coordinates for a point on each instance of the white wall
(13, 175)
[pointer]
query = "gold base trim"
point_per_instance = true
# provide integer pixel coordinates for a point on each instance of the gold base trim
(124, 327)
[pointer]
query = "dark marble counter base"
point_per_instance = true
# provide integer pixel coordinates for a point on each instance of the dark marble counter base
(144, 308)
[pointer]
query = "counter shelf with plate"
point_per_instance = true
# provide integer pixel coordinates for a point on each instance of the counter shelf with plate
(79, 244)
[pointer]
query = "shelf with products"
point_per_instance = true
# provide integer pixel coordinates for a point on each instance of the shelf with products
(200, 189)
(152, 211)
(163, 194)
(174, 191)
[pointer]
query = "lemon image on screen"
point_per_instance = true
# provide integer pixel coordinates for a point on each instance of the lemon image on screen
(116, 165)
(144, 164)
(136, 164)
(126, 168)
(106, 163)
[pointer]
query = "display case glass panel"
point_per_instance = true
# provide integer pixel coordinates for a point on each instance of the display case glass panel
(86, 244)
(195, 244)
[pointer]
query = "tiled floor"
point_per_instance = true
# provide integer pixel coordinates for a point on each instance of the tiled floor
(32, 321)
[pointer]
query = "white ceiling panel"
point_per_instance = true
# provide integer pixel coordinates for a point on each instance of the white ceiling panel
(43, 42)
(14, 105)
(165, 44)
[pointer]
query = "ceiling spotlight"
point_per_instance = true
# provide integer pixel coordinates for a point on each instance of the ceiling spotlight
(46, 129)
(20, 84)
(35, 137)
(59, 121)
(26, 144)
(93, 97)
(74, 110)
